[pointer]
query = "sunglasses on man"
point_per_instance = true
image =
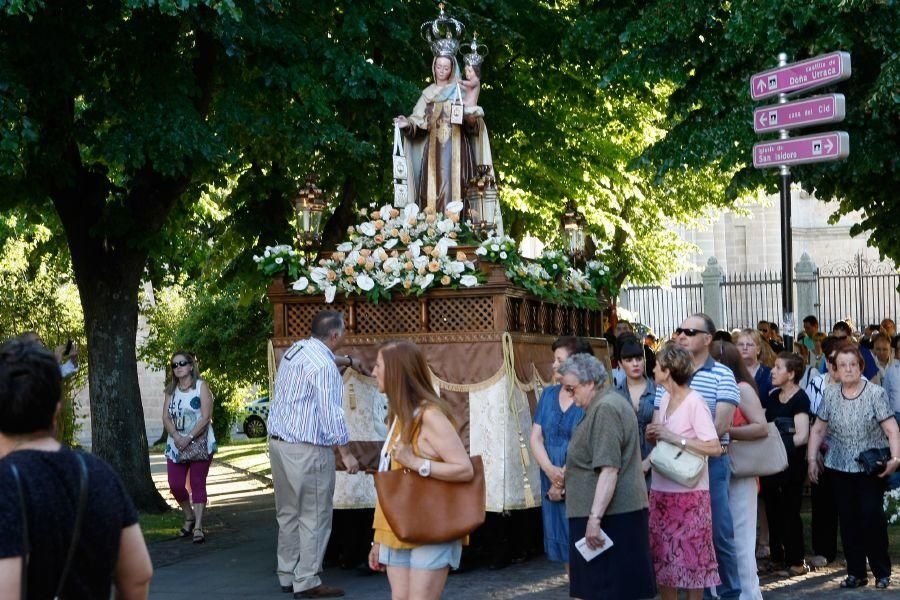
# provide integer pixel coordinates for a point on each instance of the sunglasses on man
(689, 331)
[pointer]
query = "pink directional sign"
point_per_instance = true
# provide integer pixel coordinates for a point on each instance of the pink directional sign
(812, 111)
(801, 76)
(833, 145)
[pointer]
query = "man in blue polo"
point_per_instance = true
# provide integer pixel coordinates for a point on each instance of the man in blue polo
(715, 382)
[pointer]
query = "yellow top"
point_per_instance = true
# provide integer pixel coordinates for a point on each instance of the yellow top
(383, 533)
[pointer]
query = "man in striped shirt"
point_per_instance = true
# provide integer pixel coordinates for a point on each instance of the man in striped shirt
(306, 421)
(715, 382)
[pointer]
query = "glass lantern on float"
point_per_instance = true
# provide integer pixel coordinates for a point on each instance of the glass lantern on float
(483, 200)
(573, 234)
(309, 207)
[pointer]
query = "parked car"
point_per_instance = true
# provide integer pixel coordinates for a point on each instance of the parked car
(253, 417)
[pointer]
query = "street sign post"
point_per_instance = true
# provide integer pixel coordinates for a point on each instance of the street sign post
(801, 76)
(829, 108)
(781, 81)
(822, 147)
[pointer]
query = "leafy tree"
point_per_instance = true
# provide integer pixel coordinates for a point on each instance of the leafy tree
(37, 294)
(708, 49)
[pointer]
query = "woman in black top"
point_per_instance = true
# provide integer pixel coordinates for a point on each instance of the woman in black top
(43, 480)
(788, 408)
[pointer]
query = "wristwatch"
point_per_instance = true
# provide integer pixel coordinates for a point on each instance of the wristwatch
(425, 469)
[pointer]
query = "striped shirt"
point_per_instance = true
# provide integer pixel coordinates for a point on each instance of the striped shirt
(716, 383)
(308, 392)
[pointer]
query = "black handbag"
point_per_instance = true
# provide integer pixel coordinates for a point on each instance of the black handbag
(874, 460)
(76, 529)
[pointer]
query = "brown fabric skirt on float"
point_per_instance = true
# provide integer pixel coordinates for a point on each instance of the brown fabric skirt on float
(625, 571)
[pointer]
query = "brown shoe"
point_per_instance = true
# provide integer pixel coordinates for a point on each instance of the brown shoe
(320, 591)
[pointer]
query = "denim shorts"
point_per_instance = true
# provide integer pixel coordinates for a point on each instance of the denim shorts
(432, 556)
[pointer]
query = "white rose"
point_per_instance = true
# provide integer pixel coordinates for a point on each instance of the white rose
(278, 260)
(495, 247)
(425, 281)
(345, 247)
(481, 251)
(445, 226)
(301, 284)
(503, 255)
(365, 282)
(410, 211)
(455, 207)
(329, 293)
(468, 280)
(267, 253)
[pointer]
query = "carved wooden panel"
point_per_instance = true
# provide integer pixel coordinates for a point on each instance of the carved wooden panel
(471, 313)
(397, 316)
(512, 314)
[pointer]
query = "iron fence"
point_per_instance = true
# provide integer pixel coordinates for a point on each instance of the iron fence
(860, 290)
(662, 309)
(749, 298)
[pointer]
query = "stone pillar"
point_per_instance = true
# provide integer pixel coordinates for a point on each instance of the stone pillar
(712, 292)
(807, 290)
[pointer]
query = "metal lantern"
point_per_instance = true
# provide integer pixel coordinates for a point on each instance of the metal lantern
(309, 207)
(483, 201)
(573, 232)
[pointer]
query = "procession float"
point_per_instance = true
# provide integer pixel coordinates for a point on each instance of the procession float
(435, 268)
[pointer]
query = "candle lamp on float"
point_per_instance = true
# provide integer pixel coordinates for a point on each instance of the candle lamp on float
(309, 206)
(483, 201)
(574, 236)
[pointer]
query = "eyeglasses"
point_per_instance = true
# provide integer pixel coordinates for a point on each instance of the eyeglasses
(180, 363)
(690, 332)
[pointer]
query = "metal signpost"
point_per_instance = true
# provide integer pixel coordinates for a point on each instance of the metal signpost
(782, 81)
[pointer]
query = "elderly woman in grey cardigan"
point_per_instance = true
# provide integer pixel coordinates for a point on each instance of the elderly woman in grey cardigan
(606, 496)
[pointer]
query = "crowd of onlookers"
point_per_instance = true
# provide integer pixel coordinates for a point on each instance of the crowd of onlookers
(720, 399)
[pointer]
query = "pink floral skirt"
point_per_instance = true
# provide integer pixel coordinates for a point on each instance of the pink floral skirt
(681, 540)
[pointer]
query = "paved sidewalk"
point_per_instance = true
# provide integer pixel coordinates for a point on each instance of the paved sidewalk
(238, 559)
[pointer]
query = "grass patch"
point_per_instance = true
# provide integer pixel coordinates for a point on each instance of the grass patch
(160, 526)
(249, 455)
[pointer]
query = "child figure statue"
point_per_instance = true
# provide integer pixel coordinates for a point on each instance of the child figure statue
(472, 83)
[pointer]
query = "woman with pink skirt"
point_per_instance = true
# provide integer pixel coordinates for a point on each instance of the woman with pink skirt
(681, 539)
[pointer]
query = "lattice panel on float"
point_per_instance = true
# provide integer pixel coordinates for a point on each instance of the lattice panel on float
(396, 316)
(461, 314)
(299, 316)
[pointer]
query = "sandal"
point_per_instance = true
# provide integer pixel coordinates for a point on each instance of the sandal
(199, 536)
(187, 529)
(883, 582)
(854, 582)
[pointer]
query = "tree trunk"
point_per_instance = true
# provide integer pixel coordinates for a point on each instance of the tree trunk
(108, 272)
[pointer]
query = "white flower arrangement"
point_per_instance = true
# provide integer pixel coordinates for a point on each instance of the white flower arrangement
(411, 251)
(373, 262)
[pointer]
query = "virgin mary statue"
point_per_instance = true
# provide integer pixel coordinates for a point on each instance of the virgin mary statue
(441, 155)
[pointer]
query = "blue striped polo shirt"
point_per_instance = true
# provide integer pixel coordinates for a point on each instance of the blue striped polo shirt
(715, 382)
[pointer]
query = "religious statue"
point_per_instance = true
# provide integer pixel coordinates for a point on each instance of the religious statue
(445, 138)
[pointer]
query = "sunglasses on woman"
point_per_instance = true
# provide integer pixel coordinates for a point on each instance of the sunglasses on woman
(180, 363)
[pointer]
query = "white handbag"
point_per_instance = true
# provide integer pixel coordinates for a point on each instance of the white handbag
(678, 464)
(401, 174)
